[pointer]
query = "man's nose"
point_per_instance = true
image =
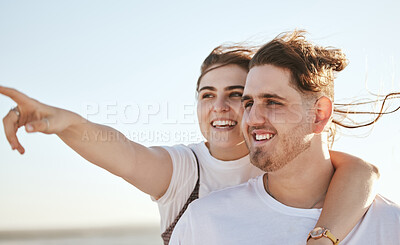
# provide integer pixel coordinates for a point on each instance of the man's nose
(255, 116)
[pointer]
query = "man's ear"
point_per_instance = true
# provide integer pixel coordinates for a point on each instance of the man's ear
(323, 113)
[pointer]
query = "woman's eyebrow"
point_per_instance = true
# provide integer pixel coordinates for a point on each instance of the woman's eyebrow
(226, 89)
(234, 87)
(208, 88)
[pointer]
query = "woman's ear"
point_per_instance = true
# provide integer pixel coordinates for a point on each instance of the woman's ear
(323, 112)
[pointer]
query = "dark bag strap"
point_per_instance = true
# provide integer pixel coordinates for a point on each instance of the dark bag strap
(166, 236)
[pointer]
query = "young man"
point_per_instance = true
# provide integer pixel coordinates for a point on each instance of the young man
(288, 109)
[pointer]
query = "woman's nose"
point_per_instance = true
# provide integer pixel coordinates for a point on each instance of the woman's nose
(221, 105)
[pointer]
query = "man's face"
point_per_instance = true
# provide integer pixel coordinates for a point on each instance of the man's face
(274, 123)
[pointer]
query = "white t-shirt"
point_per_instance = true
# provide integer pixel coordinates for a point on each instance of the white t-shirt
(246, 214)
(214, 175)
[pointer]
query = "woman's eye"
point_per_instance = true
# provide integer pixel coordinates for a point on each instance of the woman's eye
(205, 96)
(236, 94)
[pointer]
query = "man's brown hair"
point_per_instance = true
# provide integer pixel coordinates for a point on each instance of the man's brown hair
(313, 71)
(312, 67)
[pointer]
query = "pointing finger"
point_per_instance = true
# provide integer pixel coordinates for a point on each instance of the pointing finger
(14, 94)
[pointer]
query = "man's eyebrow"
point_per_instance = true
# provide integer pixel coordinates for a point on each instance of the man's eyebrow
(271, 96)
(234, 87)
(246, 97)
(208, 88)
(263, 96)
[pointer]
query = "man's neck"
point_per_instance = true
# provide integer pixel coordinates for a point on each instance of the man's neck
(303, 182)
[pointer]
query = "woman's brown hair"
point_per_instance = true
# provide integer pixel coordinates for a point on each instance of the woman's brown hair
(224, 55)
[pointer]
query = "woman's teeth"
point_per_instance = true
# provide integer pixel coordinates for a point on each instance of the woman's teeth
(223, 123)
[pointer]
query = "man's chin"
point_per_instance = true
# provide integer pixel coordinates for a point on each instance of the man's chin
(265, 162)
(258, 157)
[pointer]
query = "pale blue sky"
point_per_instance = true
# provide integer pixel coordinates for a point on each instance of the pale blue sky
(87, 55)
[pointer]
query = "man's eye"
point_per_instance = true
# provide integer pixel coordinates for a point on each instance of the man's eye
(236, 94)
(205, 96)
(273, 102)
(247, 104)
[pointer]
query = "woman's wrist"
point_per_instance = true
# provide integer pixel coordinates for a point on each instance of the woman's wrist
(72, 121)
(321, 241)
(322, 234)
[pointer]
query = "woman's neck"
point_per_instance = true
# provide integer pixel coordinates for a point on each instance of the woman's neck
(228, 153)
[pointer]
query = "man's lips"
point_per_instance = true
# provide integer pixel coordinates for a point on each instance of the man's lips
(261, 135)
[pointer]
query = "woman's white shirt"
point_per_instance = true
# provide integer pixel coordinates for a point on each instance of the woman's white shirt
(214, 175)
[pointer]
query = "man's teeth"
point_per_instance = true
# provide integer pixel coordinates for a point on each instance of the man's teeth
(224, 123)
(264, 136)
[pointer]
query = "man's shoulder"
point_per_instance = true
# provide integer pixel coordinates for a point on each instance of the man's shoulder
(227, 195)
(384, 205)
(383, 211)
(382, 215)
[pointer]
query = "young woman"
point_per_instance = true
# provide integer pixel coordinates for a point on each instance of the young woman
(174, 176)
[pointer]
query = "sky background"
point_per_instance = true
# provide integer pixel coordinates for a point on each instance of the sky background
(133, 65)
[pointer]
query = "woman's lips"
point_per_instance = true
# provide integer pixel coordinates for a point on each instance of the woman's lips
(223, 123)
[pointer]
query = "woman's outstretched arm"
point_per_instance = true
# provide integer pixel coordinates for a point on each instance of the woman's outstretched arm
(149, 169)
(349, 195)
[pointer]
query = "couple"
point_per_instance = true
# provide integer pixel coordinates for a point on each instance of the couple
(175, 176)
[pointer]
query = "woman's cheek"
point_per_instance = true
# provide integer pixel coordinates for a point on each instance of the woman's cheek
(201, 111)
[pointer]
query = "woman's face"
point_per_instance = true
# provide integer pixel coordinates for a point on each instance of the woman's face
(219, 105)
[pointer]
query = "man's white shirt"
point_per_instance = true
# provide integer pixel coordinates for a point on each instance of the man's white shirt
(247, 214)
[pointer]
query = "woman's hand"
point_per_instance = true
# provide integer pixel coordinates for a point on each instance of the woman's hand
(35, 116)
(149, 169)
